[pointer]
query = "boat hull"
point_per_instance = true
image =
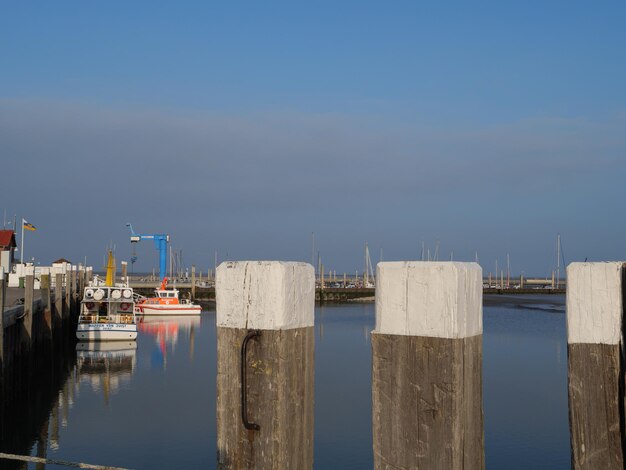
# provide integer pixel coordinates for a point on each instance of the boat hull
(106, 332)
(170, 310)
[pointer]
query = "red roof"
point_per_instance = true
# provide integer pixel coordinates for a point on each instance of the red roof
(7, 239)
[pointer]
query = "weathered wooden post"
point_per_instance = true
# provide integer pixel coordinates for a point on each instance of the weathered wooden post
(81, 281)
(67, 306)
(74, 289)
(29, 302)
(124, 271)
(193, 281)
(2, 300)
(427, 366)
(46, 302)
(58, 297)
(265, 343)
(595, 322)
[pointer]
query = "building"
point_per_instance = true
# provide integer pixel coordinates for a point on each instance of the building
(7, 249)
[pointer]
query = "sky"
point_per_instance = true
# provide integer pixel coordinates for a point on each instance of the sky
(280, 130)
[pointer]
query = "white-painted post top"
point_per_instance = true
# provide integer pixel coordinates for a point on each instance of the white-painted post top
(433, 299)
(267, 295)
(594, 302)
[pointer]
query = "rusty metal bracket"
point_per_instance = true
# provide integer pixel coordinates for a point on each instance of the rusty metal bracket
(244, 382)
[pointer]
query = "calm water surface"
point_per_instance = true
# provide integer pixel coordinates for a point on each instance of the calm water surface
(154, 406)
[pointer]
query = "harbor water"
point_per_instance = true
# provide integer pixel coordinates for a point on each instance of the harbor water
(152, 405)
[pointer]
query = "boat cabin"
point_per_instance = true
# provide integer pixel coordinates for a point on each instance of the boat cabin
(167, 294)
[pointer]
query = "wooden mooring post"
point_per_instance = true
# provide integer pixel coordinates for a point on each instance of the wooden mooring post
(46, 301)
(3, 286)
(29, 303)
(74, 292)
(82, 282)
(595, 328)
(67, 305)
(124, 271)
(58, 298)
(427, 366)
(265, 348)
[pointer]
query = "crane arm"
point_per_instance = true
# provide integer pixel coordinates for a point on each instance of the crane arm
(160, 242)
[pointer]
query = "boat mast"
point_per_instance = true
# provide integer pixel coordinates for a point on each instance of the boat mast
(313, 250)
(170, 261)
(496, 272)
(110, 270)
(508, 271)
(558, 259)
(366, 272)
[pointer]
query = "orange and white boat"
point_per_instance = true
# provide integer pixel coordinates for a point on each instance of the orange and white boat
(166, 302)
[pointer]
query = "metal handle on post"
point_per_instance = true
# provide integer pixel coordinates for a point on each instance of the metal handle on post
(244, 397)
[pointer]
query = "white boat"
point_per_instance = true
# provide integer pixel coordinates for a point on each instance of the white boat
(107, 311)
(167, 302)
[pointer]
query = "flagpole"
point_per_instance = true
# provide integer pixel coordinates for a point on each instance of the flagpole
(22, 244)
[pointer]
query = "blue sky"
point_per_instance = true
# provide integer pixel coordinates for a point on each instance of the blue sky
(244, 127)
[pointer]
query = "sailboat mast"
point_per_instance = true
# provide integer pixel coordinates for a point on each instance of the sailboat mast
(558, 259)
(366, 273)
(508, 271)
(496, 273)
(313, 250)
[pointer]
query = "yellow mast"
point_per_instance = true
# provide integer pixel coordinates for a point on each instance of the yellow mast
(110, 270)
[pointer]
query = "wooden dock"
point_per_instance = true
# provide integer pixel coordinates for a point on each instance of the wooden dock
(36, 361)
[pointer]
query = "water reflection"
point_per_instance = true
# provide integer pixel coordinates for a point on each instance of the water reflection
(105, 365)
(34, 393)
(166, 329)
(174, 409)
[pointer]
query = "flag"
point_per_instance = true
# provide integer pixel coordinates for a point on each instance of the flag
(28, 225)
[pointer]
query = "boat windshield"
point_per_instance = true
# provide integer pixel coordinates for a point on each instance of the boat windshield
(164, 294)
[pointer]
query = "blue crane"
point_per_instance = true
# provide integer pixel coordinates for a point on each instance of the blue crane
(160, 242)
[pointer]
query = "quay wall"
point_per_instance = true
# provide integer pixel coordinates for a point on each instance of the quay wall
(33, 375)
(206, 295)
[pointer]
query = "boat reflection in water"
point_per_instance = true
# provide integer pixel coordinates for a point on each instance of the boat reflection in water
(166, 329)
(106, 365)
